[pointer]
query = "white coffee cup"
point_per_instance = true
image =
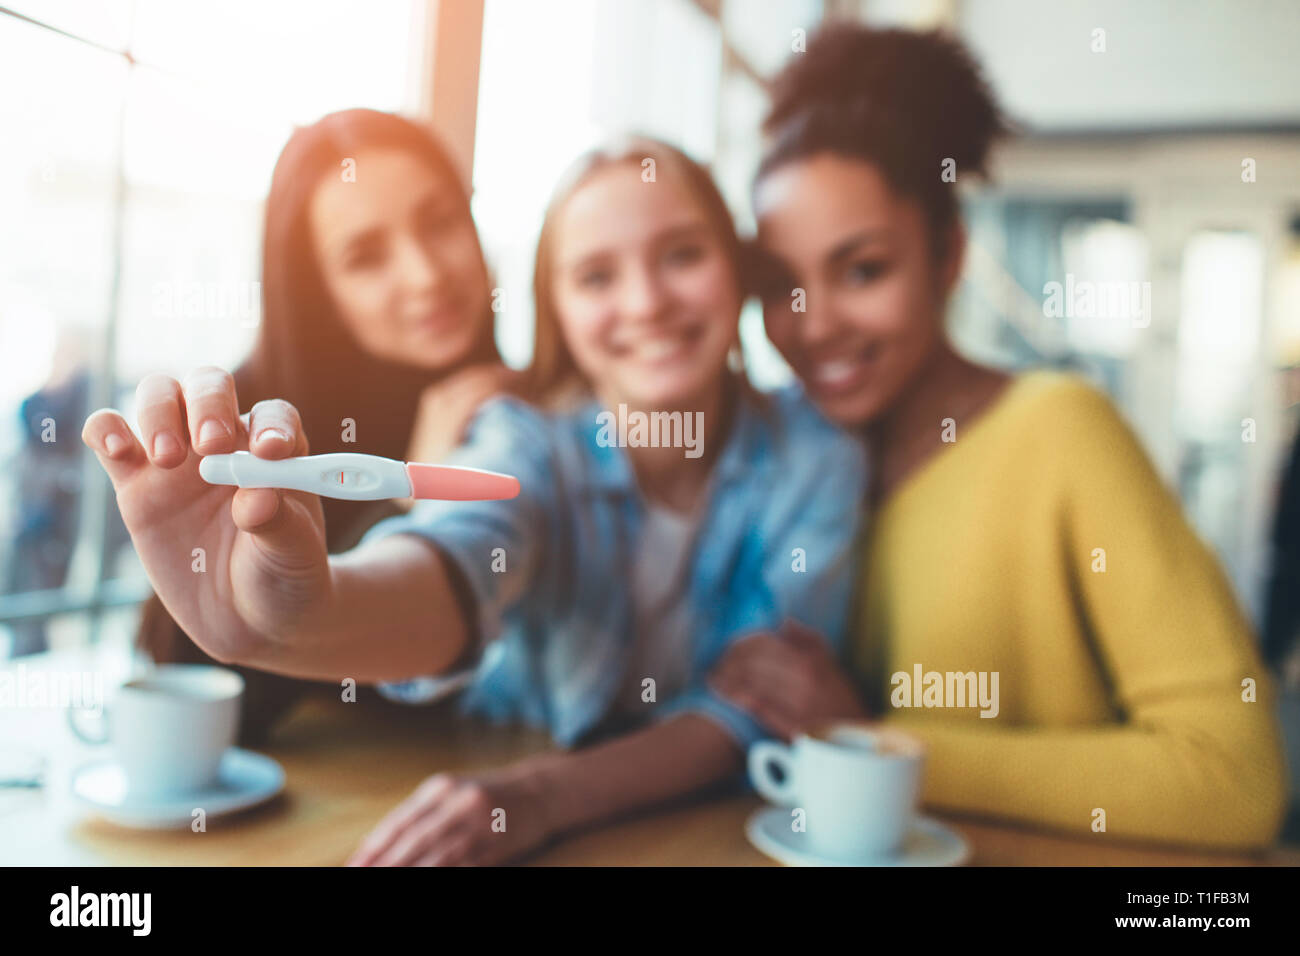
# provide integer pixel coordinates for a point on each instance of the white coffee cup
(858, 786)
(170, 728)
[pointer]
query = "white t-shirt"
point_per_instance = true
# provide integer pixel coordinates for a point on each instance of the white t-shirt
(660, 613)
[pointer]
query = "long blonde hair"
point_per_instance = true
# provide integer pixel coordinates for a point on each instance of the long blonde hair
(552, 376)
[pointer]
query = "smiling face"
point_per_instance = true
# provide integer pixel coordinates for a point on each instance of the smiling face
(400, 258)
(645, 292)
(873, 291)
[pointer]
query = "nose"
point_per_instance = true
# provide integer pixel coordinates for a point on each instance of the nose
(418, 269)
(644, 297)
(818, 325)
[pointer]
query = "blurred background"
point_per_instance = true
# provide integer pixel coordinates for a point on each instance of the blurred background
(1159, 152)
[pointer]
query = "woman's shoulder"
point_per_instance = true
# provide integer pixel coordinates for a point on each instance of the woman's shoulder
(512, 416)
(1059, 403)
(565, 439)
(506, 427)
(507, 407)
(1064, 418)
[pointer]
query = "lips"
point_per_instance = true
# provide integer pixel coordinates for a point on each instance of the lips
(438, 319)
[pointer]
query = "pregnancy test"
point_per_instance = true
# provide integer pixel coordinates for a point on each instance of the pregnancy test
(357, 477)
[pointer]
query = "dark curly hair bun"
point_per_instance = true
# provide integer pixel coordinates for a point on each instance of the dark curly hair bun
(901, 100)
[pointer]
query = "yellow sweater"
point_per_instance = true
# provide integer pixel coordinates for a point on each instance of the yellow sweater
(1121, 689)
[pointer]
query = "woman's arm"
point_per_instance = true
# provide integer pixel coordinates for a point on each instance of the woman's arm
(666, 760)
(1192, 763)
(495, 816)
(245, 572)
(1191, 757)
(395, 610)
(390, 613)
(1169, 776)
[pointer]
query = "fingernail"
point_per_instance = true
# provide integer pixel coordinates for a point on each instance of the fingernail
(164, 444)
(211, 431)
(272, 433)
(114, 443)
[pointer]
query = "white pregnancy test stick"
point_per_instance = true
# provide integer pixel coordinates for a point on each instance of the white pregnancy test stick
(357, 477)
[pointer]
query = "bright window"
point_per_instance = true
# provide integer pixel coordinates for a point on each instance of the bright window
(136, 161)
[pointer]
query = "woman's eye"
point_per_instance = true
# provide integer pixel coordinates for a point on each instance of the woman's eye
(435, 223)
(594, 279)
(359, 261)
(866, 271)
(685, 254)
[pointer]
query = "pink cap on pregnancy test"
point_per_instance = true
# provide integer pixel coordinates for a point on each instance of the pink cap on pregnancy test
(357, 477)
(454, 483)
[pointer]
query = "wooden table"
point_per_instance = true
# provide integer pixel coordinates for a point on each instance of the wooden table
(347, 764)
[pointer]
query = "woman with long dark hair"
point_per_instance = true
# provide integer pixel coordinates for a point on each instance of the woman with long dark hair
(374, 292)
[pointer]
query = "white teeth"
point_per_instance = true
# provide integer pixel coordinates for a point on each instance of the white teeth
(841, 371)
(837, 372)
(658, 348)
(655, 351)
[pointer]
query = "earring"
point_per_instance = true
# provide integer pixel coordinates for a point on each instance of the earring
(736, 359)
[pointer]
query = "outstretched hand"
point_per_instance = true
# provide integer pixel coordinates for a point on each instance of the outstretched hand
(236, 568)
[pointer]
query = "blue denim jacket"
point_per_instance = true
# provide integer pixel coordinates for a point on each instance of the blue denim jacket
(553, 604)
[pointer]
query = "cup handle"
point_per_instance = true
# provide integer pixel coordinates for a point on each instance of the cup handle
(762, 756)
(81, 733)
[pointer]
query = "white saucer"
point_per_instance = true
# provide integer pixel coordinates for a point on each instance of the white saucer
(245, 780)
(929, 844)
